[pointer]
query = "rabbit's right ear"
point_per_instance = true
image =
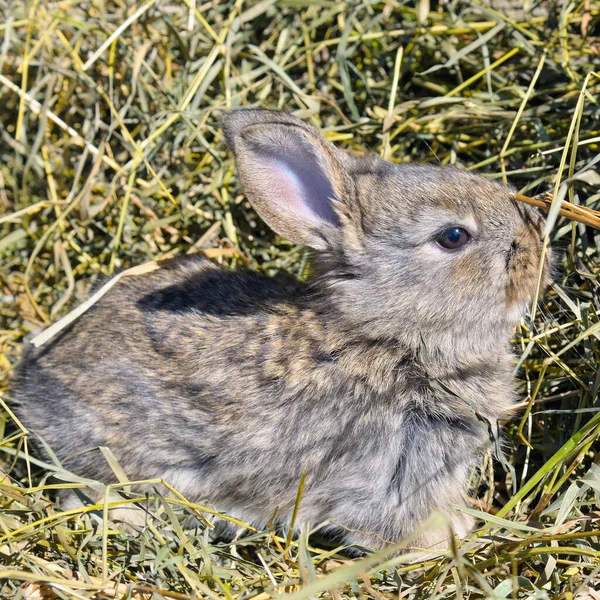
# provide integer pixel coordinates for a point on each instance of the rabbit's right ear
(292, 175)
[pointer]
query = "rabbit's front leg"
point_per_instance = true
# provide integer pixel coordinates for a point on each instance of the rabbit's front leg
(432, 475)
(433, 466)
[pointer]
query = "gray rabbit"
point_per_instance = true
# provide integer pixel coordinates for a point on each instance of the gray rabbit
(379, 379)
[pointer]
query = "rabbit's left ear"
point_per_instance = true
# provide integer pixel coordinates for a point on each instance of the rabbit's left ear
(295, 179)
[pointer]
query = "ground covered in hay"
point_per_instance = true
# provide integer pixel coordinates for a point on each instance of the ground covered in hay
(111, 156)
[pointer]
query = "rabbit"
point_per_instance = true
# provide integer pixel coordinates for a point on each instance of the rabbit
(379, 379)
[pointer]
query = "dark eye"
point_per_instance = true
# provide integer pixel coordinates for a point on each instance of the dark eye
(453, 238)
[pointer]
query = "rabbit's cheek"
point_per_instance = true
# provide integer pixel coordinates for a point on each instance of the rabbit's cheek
(469, 278)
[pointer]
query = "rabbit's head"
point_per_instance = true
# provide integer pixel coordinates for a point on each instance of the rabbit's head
(412, 253)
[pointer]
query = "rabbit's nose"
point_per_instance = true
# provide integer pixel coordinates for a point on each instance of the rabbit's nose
(522, 266)
(510, 253)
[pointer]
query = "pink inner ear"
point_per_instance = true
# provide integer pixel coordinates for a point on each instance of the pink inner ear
(299, 186)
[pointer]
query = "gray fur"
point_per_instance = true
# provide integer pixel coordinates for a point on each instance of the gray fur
(376, 378)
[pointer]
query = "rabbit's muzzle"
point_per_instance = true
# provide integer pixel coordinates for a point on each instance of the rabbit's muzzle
(523, 266)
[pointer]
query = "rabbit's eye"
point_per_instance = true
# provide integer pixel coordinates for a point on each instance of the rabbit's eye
(454, 238)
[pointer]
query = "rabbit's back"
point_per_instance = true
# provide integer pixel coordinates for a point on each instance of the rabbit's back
(157, 366)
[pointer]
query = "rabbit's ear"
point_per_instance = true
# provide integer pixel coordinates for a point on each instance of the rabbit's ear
(291, 174)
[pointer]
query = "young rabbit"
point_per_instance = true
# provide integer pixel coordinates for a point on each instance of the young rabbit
(380, 379)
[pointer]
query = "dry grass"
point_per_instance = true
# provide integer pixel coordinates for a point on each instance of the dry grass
(111, 156)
